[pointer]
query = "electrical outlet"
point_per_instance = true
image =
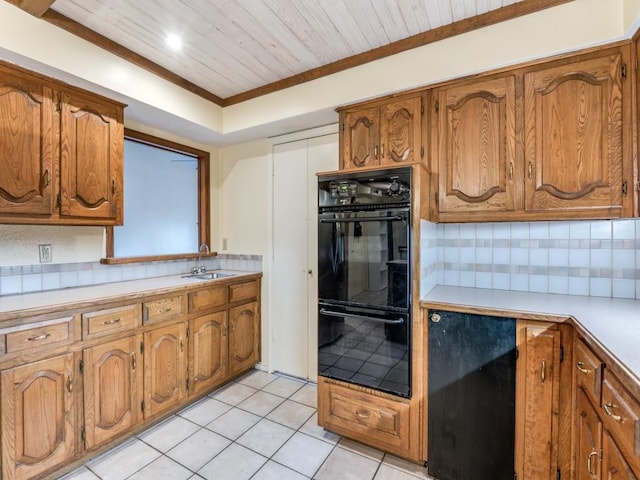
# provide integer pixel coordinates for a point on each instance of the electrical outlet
(46, 253)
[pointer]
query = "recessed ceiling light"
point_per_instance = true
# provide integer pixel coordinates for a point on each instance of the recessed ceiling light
(173, 41)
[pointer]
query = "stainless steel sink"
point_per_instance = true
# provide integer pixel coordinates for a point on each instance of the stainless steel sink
(208, 275)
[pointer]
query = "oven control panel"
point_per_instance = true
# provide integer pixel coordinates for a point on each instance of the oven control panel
(343, 189)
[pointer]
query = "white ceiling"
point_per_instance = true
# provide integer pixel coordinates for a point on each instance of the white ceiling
(235, 46)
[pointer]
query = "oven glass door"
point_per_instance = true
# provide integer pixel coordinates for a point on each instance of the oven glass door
(362, 258)
(366, 347)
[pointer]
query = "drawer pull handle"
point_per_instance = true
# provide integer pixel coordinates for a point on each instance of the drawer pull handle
(580, 367)
(607, 409)
(111, 322)
(543, 372)
(592, 474)
(43, 336)
(166, 310)
(363, 413)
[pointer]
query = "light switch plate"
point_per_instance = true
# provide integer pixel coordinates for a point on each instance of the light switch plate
(46, 253)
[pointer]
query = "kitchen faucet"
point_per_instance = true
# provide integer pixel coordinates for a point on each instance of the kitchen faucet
(199, 268)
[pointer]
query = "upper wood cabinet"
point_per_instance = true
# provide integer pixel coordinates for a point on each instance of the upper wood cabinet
(27, 149)
(574, 116)
(475, 146)
(386, 134)
(61, 153)
(91, 158)
(549, 141)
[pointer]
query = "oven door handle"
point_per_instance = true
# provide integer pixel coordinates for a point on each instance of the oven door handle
(361, 219)
(330, 313)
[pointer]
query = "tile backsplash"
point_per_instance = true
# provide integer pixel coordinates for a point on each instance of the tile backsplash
(596, 258)
(36, 278)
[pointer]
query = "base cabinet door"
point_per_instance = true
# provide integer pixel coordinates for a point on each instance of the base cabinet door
(614, 466)
(538, 380)
(38, 417)
(589, 440)
(207, 352)
(165, 369)
(244, 338)
(112, 389)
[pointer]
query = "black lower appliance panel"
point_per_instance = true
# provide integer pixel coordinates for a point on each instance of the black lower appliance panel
(471, 412)
(365, 346)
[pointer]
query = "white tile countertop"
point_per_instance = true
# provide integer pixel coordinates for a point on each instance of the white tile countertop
(613, 322)
(32, 303)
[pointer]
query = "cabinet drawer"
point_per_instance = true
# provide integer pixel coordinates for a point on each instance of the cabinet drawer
(45, 334)
(163, 309)
(243, 291)
(589, 371)
(112, 320)
(621, 415)
(375, 420)
(208, 298)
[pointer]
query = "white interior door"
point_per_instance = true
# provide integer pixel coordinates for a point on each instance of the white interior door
(294, 291)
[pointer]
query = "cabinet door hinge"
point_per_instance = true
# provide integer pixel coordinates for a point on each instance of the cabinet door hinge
(436, 199)
(517, 352)
(623, 70)
(59, 103)
(515, 476)
(561, 353)
(624, 188)
(81, 366)
(421, 152)
(638, 186)
(83, 434)
(141, 347)
(558, 474)
(58, 201)
(187, 384)
(142, 406)
(437, 106)
(188, 332)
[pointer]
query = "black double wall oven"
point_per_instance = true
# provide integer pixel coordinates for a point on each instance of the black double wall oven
(364, 279)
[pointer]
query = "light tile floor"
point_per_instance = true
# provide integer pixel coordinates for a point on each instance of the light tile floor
(261, 427)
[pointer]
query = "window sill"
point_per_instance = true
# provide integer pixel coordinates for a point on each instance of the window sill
(153, 258)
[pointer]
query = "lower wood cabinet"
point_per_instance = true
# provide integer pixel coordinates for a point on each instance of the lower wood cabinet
(112, 389)
(165, 368)
(39, 425)
(607, 426)
(208, 352)
(73, 382)
(537, 399)
(244, 338)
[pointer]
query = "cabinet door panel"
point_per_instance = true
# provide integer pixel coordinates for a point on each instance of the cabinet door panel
(539, 374)
(38, 417)
(244, 338)
(361, 138)
(573, 135)
(400, 138)
(614, 466)
(589, 441)
(165, 374)
(208, 351)
(112, 390)
(26, 145)
(91, 158)
(476, 147)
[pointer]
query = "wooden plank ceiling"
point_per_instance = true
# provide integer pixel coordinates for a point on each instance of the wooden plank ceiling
(238, 49)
